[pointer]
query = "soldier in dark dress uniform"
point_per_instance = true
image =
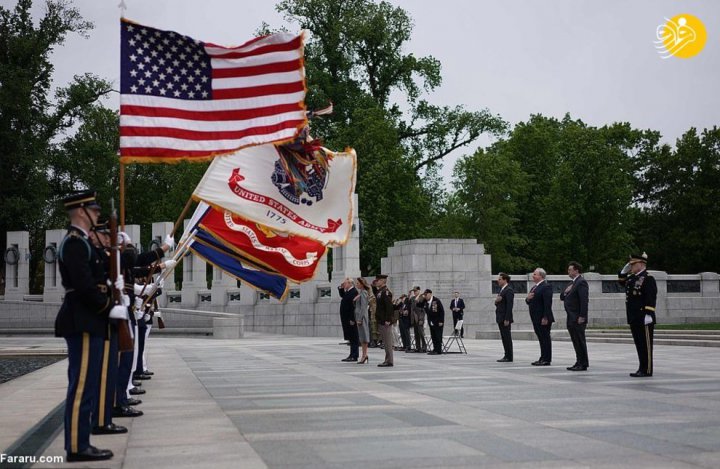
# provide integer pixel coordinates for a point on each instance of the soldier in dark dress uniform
(436, 318)
(640, 302)
(384, 316)
(83, 322)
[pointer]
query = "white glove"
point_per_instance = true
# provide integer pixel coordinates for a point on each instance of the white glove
(138, 314)
(138, 303)
(170, 264)
(118, 312)
(123, 238)
(138, 289)
(158, 314)
(625, 269)
(120, 283)
(648, 319)
(126, 301)
(161, 284)
(146, 317)
(170, 241)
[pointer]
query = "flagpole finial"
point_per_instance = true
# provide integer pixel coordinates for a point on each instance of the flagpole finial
(123, 7)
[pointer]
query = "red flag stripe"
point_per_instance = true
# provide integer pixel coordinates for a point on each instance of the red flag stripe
(276, 67)
(296, 43)
(265, 90)
(209, 116)
(183, 134)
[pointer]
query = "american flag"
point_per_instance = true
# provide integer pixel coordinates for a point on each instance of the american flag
(185, 99)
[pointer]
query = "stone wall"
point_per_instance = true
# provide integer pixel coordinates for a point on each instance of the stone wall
(311, 309)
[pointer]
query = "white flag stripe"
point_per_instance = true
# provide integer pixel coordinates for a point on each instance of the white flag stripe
(208, 126)
(256, 80)
(269, 58)
(198, 145)
(214, 105)
(194, 220)
(279, 38)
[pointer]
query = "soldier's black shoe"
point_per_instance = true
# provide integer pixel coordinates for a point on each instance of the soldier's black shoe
(109, 429)
(90, 454)
(640, 374)
(504, 360)
(141, 376)
(136, 383)
(148, 372)
(136, 391)
(577, 368)
(126, 412)
(133, 401)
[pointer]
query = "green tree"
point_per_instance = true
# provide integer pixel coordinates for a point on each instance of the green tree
(679, 222)
(30, 117)
(355, 58)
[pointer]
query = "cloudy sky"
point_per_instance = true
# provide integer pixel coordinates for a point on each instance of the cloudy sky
(594, 59)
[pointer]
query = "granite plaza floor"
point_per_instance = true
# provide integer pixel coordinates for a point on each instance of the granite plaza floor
(279, 401)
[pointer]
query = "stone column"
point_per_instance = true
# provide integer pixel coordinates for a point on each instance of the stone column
(194, 278)
(53, 290)
(159, 231)
(709, 284)
(594, 281)
(346, 259)
(17, 276)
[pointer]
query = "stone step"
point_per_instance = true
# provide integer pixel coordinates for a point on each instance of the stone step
(613, 337)
(665, 334)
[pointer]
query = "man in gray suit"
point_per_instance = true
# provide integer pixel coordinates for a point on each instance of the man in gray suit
(575, 298)
(504, 314)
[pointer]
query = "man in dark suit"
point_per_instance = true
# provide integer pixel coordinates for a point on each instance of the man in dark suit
(504, 314)
(457, 306)
(640, 303)
(436, 319)
(347, 316)
(575, 298)
(540, 302)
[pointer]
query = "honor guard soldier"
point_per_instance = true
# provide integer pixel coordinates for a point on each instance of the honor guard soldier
(83, 322)
(384, 316)
(640, 301)
(102, 413)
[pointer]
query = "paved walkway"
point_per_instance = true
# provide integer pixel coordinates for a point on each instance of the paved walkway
(275, 401)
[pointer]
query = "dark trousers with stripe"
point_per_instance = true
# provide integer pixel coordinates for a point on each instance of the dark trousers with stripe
(108, 381)
(142, 329)
(506, 337)
(643, 337)
(543, 335)
(84, 362)
(124, 370)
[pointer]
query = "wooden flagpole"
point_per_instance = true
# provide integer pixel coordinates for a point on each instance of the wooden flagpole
(122, 196)
(182, 216)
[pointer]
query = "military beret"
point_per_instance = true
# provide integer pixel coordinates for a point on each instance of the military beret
(87, 198)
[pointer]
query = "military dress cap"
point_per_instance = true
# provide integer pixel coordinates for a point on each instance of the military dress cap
(635, 258)
(79, 199)
(103, 227)
(380, 277)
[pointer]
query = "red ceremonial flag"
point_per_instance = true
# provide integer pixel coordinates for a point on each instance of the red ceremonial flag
(183, 99)
(294, 257)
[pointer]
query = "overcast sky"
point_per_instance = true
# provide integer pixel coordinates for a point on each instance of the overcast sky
(593, 59)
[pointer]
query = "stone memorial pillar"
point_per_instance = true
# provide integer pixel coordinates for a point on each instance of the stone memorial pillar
(17, 265)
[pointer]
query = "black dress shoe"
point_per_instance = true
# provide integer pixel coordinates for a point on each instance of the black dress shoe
(640, 374)
(148, 372)
(136, 391)
(542, 363)
(536, 363)
(133, 401)
(577, 368)
(126, 412)
(91, 453)
(505, 360)
(141, 376)
(349, 359)
(109, 429)
(385, 364)
(136, 383)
